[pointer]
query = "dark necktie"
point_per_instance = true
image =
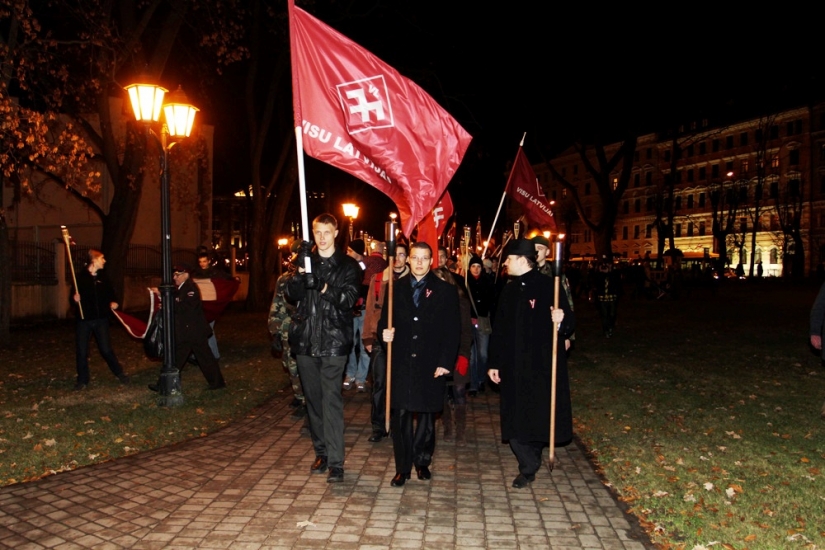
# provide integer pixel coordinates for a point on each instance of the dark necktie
(418, 287)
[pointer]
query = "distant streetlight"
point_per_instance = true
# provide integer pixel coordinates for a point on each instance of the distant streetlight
(147, 100)
(351, 212)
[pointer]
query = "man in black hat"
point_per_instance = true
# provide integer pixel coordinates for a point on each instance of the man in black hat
(191, 330)
(521, 352)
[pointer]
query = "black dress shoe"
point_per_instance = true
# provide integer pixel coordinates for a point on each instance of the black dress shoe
(423, 472)
(80, 386)
(319, 466)
(336, 475)
(154, 387)
(377, 436)
(399, 480)
(522, 481)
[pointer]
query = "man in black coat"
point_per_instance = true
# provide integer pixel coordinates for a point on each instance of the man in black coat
(425, 336)
(192, 331)
(321, 338)
(521, 353)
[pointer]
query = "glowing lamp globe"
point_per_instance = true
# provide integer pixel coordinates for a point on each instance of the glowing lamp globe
(180, 114)
(146, 100)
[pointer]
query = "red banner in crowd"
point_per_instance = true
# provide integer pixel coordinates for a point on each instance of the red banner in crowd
(360, 115)
(433, 225)
(523, 186)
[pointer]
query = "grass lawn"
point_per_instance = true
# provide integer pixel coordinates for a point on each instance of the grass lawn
(704, 415)
(46, 427)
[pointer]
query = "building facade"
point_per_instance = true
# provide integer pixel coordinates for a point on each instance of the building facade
(765, 173)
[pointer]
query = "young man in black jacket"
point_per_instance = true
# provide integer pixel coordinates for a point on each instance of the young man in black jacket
(95, 298)
(321, 337)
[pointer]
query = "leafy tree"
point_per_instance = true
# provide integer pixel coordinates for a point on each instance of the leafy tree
(64, 61)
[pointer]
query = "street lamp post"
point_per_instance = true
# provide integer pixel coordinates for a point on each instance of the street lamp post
(351, 212)
(147, 100)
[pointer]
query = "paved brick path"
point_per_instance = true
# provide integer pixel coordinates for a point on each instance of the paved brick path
(248, 486)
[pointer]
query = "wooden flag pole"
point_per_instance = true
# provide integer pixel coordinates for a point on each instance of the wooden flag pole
(390, 228)
(66, 238)
(557, 268)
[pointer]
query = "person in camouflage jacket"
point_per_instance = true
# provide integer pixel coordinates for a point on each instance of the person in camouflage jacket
(280, 319)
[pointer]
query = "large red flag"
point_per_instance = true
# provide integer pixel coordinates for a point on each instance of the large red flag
(360, 115)
(434, 223)
(523, 186)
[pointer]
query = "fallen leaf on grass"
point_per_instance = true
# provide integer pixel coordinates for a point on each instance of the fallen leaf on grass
(750, 538)
(660, 494)
(708, 486)
(28, 435)
(50, 443)
(38, 447)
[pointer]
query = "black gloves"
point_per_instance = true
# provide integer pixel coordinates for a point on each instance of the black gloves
(313, 282)
(304, 251)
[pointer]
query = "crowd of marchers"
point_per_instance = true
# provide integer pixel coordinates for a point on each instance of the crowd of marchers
(423, 331)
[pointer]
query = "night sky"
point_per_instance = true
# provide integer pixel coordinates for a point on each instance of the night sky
(560, 73)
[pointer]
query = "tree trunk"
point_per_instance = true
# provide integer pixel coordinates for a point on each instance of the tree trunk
(798, 265)
(603, 242)
(5, 284)
(119, 223)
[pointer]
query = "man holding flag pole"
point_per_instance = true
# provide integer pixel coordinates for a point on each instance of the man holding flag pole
(357, 113)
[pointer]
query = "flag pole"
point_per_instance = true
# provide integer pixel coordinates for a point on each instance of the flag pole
(389, 236)
(551, 463)
(501, 203)
(302, 191)
(65, 231)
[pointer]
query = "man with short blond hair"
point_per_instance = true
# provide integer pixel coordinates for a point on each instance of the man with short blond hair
(321, 337)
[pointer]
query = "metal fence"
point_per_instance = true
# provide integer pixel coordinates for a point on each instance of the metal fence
(34, 262)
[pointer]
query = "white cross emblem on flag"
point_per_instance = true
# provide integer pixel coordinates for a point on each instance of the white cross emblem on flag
(365, 104)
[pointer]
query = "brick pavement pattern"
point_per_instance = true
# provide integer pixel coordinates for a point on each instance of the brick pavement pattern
(248, 486)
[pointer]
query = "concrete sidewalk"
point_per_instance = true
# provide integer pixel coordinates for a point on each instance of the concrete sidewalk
(249, 486)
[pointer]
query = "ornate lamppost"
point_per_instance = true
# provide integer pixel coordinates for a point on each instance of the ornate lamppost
(147, 100)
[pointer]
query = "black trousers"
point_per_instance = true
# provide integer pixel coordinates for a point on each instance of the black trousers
(378, 366)
(528, 454)
(206, 359)
(412, 447)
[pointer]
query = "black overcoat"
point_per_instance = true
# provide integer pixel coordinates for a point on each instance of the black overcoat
(521, 348)
(190, 321)
(426, 337)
